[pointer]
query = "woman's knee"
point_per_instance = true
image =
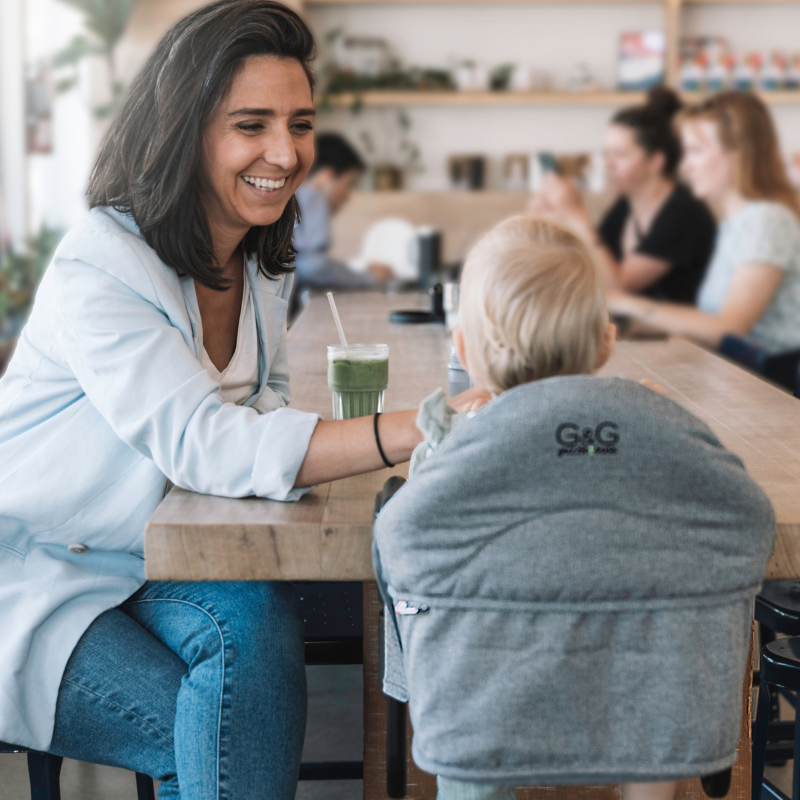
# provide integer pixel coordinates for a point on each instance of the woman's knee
(262, 615)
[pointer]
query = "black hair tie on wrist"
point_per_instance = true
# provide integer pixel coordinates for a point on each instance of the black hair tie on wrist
(378, 441)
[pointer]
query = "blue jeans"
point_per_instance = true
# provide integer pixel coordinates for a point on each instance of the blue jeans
(201, 685)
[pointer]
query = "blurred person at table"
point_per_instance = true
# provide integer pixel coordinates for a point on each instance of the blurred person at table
(656, 239)
(752, 285)
(156, 355)
(336, 170)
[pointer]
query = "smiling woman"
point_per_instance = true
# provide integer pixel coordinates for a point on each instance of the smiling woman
(155, 354)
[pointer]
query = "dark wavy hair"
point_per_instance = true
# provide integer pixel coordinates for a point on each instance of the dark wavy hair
(652, 126)
(150, 160)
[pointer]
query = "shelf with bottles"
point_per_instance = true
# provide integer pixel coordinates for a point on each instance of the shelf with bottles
(383, 99)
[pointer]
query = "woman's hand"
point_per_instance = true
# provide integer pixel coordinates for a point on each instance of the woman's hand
(561, 193)
(341, 448)
(752, 289)
(565, 200)
(624, 304)
(539, 207)
(470, 400)
(654, 387)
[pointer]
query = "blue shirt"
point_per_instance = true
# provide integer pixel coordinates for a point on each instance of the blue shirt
(312, 240)
(103, 402)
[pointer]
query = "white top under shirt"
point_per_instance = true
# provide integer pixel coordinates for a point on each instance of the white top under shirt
(239, 380)
(766, 232)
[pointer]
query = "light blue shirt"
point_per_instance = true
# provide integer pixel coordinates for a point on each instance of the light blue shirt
(760, 232)
(104, 401)
(312, 240)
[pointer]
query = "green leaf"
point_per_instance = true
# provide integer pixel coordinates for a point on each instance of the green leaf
(105, 111)
(332, 35)
(367, 141)
(64, 86)
(20, 273)
(75, 51)
(106, 19)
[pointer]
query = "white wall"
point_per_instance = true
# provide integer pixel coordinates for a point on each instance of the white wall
(554, 37)
(764, 27)
(57, 182)
(40, 188)
(13, 206)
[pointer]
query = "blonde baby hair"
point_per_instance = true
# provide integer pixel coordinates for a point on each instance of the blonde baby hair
(532, 305)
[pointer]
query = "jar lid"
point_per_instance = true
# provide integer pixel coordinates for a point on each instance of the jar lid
(454, 362)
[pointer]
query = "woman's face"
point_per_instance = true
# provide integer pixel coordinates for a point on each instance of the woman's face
(706, 165)
(259, 144)
(628, 166)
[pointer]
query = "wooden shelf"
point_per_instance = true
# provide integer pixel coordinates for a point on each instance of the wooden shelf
(777, 98)
(727, 2)
(312, 3)
(421, 98)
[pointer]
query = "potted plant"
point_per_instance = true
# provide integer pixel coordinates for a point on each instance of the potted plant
(20, 274)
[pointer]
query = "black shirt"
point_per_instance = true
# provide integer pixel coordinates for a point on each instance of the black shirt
(682, 234)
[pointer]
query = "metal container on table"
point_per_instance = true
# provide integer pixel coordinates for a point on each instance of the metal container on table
(457, 377)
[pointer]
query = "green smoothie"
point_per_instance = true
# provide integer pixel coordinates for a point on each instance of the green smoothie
(358, 377)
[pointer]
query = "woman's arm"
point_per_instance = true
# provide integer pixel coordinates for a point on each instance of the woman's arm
(750, 293)
(342, 448)
(634, 273)
(562, 201)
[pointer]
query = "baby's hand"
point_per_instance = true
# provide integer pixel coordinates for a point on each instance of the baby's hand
(656, 387)
(471, 400)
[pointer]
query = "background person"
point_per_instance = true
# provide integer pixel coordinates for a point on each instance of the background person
(337, 167)
(752, 285)
(656, 240)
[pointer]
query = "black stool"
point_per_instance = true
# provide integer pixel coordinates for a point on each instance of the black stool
(333, 614)
(777, 610)
(780, 670)
(44, 772)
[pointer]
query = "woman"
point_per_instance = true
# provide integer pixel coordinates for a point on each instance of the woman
(752, 287)
(656, 239)
(156, 353)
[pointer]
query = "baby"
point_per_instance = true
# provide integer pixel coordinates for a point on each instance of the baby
(571, 571)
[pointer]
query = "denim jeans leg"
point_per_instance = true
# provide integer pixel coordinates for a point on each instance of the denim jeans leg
(241, 708)
(116, 703)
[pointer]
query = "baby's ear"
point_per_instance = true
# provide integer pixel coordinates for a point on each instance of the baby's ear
(458, 343)
(606, 346)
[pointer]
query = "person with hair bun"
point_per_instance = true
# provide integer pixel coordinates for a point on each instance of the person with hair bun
(752, 286)
(656, 239)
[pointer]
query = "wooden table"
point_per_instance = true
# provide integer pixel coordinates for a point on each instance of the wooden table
(327, 535)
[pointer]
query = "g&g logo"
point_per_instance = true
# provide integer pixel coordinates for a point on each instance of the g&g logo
(574, 440)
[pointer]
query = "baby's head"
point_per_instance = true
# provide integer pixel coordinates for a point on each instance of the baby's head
(532, 305)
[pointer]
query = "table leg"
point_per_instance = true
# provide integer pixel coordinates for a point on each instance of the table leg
(422, 786)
